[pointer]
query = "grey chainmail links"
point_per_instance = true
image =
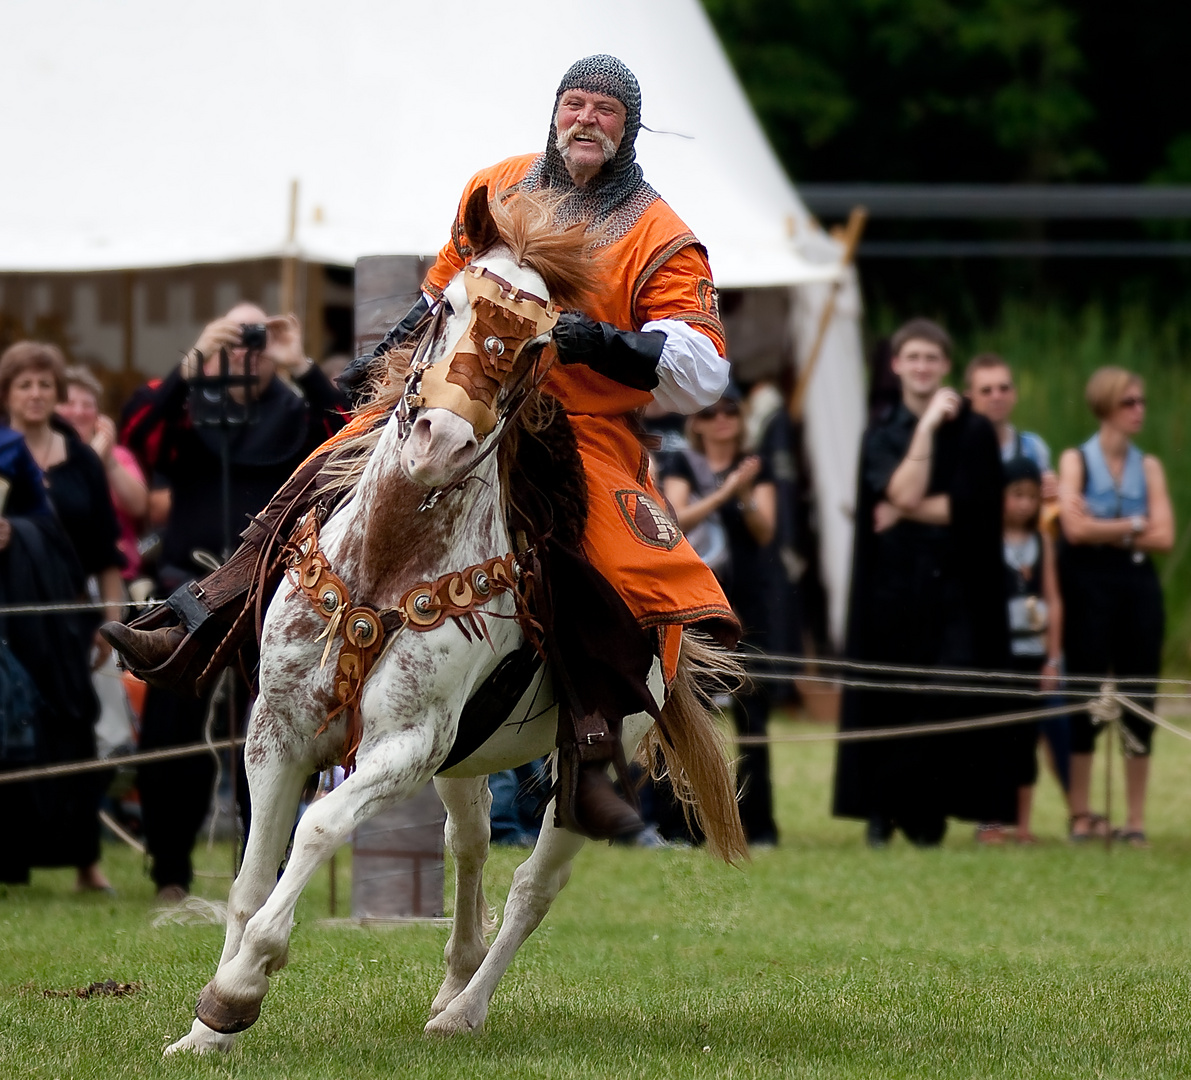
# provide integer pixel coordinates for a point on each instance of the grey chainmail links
(620, 183)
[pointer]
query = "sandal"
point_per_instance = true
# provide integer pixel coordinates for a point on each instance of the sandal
(1026, 839)
(1135, 838)
(1097, 827)
(990, 834)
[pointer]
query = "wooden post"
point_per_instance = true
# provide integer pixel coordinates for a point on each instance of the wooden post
(289, 261)
(128, 318)
(313, 328)
(852, 234)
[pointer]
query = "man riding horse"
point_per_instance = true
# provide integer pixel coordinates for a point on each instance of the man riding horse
(652, 332)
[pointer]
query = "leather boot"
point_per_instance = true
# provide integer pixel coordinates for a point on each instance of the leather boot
(183, 644)
(586, 802)
(176, 645)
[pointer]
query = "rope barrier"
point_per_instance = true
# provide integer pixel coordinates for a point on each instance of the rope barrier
(1104, 705)
(70, 768)
(73, 606)
(1101, 708)
(981, 674)
(947, 688)
(909, 731)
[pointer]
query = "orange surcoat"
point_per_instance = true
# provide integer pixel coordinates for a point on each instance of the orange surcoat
(657, 270)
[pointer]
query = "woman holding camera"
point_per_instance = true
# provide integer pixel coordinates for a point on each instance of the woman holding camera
(1114, 511)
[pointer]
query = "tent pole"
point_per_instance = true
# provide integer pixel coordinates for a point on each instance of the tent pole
(289, 262)
(852, 234)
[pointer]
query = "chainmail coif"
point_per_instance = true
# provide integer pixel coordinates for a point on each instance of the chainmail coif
(618, 194)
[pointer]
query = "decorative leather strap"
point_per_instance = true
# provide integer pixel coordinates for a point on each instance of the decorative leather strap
(363, 630)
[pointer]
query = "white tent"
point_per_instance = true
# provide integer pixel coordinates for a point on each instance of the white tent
(143, 134)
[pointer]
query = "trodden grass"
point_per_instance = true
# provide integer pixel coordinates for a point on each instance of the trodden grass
(821, 959)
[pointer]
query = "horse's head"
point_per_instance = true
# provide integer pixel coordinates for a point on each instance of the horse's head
(482, 351)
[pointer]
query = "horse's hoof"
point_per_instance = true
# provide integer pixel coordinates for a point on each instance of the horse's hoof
(225, 1017)
(200, 1039)
(447, 1024)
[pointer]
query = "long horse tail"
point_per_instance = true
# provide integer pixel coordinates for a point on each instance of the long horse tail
(688, 746)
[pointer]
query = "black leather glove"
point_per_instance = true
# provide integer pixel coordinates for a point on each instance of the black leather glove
(354, 378)
(628, 357)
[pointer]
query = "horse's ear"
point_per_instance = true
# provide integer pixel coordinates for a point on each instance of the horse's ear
(481, 230)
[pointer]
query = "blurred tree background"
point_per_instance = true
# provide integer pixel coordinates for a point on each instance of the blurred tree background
(1004, 92)
(979, 91)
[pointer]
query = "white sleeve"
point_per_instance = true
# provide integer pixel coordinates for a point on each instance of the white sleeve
(691, 374)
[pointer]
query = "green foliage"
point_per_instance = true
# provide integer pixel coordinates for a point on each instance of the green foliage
(820, 959)
(992, 79)
(961, 90)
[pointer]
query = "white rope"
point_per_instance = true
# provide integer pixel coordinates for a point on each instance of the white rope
(73, 605)
(983, 675)
(1153, 718)
(947, 688)
(70, 768)
(870, 734)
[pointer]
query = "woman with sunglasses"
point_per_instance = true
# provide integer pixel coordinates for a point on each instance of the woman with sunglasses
(1114, 509)
(714, 479)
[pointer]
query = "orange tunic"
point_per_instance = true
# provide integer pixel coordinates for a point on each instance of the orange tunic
(657, 270)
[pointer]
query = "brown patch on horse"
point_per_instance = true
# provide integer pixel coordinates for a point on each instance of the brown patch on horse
(398, 546)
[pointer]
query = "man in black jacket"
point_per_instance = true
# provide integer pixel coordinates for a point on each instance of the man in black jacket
(174, 429)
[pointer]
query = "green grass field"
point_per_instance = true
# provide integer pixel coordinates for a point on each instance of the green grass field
(821, 959)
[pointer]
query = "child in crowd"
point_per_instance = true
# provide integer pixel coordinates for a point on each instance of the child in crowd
(1035, 615)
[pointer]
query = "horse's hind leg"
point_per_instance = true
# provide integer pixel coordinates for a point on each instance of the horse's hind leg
(391, 769)
(536, 883)
(275, 787)
(468, 802)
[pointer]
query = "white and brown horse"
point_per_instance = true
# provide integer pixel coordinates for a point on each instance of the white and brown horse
(376, 582)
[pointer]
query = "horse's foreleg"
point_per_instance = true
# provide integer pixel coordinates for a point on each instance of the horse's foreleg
(536, 883)
(275, 787)
(468, 802)
(391, 769)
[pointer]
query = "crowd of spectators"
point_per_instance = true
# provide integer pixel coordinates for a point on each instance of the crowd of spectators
(971, 552)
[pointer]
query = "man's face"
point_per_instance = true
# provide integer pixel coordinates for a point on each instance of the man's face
(589, 128)
(921, 366)
(993, 393)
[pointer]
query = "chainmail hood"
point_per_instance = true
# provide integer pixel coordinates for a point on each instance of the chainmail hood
(618, 194)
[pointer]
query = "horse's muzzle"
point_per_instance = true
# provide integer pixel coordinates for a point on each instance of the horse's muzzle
(439, 448)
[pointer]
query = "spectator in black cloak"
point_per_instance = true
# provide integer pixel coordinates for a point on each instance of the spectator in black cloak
(50, 822)
(928, 590)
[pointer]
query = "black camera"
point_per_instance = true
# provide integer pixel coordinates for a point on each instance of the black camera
(253, 336)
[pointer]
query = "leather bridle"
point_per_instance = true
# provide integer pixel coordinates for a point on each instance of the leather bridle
(425, 390)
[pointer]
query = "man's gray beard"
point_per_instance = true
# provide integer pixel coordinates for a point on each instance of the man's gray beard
(563, 142)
